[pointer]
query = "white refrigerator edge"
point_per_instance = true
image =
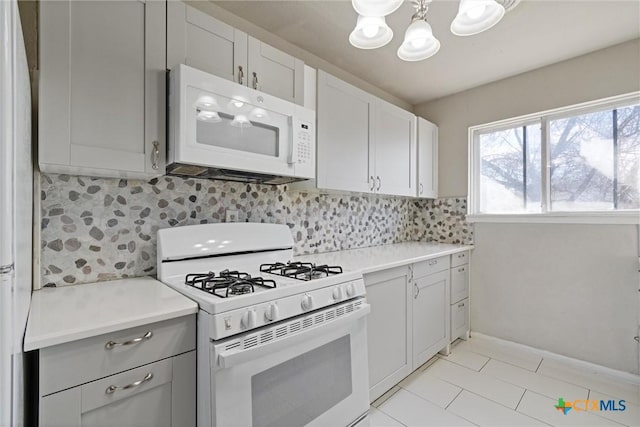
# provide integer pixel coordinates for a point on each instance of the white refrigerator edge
(16, 206)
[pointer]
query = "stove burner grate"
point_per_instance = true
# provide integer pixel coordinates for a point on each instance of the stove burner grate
(227, 283)
(301, 270)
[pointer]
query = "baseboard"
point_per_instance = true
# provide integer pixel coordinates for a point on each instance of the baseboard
(593, 367)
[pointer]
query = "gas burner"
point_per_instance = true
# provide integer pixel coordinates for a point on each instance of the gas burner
(301, 270)
(227, 283)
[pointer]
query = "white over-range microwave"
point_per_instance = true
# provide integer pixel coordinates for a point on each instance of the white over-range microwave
(222, 130)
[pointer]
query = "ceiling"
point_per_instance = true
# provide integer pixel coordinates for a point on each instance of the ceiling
(534, 34)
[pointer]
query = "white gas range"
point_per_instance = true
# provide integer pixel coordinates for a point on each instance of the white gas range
(279, 343)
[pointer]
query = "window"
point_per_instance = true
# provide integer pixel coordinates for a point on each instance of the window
(578, 160)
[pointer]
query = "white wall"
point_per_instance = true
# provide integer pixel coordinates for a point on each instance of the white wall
(570, 289)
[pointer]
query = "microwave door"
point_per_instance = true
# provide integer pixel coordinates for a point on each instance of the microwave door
(236, 134)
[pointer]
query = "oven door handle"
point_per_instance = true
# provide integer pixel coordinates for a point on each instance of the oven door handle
(228, 359)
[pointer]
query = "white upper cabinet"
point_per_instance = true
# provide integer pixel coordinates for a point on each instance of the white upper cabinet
(102, 88)
(364, 144)
(274, 72)
(343, 161)
(427, 159)
(393, 131)
(201, 41)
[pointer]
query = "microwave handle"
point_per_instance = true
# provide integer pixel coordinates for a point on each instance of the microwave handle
(293, 153)
(228, 359)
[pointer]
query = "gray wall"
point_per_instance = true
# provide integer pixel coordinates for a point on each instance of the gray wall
(570, 289)
(607, 72)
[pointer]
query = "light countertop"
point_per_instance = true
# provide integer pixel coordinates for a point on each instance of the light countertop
(70, 313)
(376, 258)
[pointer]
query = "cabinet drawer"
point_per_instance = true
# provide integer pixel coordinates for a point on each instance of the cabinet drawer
(70, 364)
(459, 283)
(111, 389)
(460, 259)
(431, 266)
(141, 396)
(459, 319)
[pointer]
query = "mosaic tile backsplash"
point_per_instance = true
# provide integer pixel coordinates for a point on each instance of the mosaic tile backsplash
(97, 229)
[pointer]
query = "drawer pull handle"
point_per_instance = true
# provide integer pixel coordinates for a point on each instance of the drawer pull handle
(113, 388)
(112, 344)
(460, 305)
(433, 262)
(461, 255)
(460, 270)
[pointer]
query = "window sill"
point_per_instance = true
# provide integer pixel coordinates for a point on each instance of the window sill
(626, 217)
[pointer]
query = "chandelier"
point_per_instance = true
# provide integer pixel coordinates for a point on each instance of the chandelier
(372, 31)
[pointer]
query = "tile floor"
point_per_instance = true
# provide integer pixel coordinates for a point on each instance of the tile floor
(486, 383)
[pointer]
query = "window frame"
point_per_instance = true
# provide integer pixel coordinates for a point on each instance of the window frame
(626, 216)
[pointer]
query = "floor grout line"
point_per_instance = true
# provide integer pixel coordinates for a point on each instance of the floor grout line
(485, 363)
(539, 364)
(485, 397)
(520, 401)
(504, 361)
(452, 400)
(395, 419)
(460, 364)
(505, 406)
(385, 396)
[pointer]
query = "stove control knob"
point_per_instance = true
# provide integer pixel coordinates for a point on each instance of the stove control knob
(272, 313)
(249, 319)
(337, 293)
(307, 302)
(351, 290)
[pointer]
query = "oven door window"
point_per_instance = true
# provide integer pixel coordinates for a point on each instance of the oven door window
(234, 124)
(299, 390)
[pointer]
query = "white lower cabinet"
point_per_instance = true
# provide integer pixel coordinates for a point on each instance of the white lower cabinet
(460, 320)
(430, 319)
(414, 316)
(156, 394)
(388, 329)
(459, 296)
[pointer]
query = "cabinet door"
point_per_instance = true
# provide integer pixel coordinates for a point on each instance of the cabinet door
(343, 157)
(427, 159)
(388, 329)
(102, 87)
(459, 283)
(146, 402)
(275, 72)
(393, 131)
(201, 41)
(460, 320)
(430, 316)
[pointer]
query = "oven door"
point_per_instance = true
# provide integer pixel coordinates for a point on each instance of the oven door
(315, 375)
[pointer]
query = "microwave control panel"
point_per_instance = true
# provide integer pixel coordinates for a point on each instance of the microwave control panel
(303, 147)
